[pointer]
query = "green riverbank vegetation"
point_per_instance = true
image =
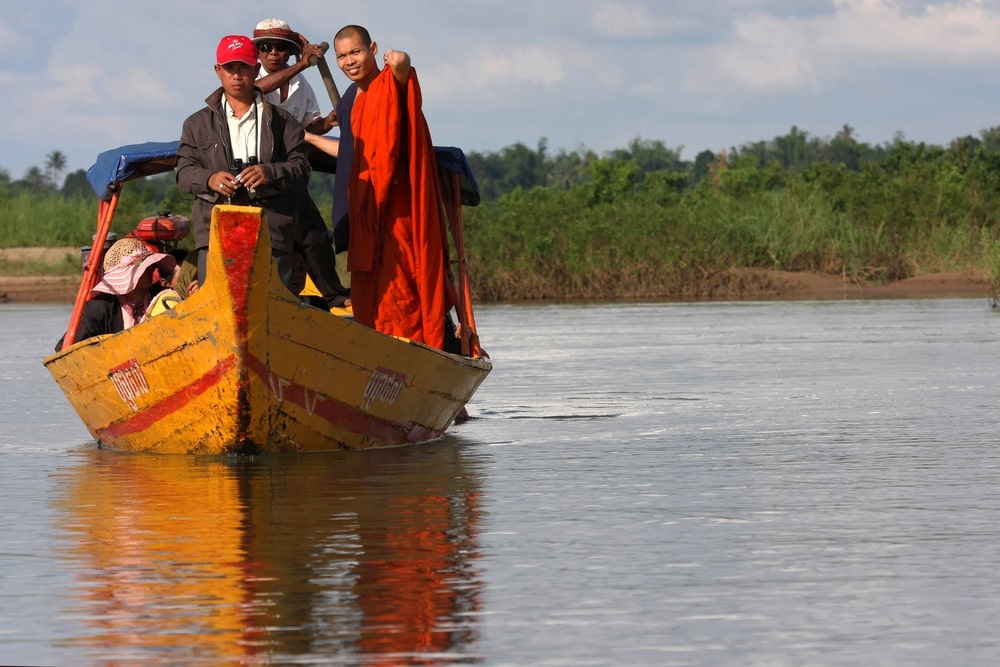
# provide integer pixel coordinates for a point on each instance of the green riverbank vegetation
(642, 223)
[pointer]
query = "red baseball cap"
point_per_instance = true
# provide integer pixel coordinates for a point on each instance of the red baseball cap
(236, 48)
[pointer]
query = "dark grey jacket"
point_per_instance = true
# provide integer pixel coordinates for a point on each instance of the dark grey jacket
(205, 149)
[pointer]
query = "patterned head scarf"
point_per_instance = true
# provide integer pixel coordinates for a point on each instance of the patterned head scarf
(126, 261)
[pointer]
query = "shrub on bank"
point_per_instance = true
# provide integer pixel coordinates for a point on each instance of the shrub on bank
(619, 236)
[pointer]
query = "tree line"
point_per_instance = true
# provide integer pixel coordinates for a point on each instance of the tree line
(520, 166)
(642, 222)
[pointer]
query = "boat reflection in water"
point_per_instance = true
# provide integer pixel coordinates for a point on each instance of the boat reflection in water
(368, 556)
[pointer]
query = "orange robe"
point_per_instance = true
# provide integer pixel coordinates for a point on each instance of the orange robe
(396, 254)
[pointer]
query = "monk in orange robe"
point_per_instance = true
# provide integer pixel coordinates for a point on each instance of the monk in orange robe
(397, 253)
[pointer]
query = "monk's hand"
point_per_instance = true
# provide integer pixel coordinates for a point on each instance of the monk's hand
(395, 58)
(399, 63)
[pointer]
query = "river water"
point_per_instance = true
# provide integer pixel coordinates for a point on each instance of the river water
(774, 483)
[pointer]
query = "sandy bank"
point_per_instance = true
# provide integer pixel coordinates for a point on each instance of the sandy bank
(759, 285)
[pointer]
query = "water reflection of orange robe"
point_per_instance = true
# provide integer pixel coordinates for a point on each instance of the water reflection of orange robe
(396, 253)
(411, 589)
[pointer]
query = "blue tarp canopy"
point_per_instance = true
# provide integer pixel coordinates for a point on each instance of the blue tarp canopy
(118, 165)
(453, 159)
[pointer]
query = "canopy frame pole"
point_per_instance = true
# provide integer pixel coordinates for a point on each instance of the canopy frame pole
(105, 214)
(468, 336)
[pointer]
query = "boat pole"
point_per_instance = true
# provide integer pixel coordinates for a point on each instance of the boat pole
(469, 337)
(326, 75)
(105, 214)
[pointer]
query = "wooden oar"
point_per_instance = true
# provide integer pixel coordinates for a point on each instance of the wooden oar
(324, 72)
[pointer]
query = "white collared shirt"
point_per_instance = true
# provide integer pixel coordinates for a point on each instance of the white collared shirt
(301, 102)
(244, 133)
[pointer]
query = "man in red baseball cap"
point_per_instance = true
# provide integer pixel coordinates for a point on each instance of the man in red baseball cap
(262, 159)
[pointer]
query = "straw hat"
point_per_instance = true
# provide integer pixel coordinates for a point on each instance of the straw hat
(126, 261)
(271, 29)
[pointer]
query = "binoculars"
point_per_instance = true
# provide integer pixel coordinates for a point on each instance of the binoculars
(238, 165)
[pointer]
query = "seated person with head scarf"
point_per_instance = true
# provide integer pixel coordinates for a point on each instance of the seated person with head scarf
(124, 295)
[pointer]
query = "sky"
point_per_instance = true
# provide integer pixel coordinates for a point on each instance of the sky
(85, 76)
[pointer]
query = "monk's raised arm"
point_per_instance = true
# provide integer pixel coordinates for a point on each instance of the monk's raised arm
(399, 63)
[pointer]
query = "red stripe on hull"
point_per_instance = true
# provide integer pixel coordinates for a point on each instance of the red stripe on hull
(145, 418)
(337, 413)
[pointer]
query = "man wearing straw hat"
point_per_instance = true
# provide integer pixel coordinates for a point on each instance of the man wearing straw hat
(284, 85)
(282, 82)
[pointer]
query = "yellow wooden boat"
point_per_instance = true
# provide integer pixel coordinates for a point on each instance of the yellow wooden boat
(242, 366)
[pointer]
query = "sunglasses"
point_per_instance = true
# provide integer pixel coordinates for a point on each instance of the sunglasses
(267, 47)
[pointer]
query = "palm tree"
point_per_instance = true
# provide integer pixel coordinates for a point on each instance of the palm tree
(55, 165)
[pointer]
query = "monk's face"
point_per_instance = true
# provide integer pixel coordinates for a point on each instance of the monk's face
(356, 59)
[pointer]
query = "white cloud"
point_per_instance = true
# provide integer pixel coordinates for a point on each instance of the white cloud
(491, 75)
(771, 53)
(14, 40)
(960, 30)
(631, 20)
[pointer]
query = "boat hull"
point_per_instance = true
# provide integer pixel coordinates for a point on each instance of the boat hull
(242, 366)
